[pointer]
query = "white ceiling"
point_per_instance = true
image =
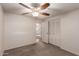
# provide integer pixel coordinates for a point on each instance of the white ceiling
(54, 8)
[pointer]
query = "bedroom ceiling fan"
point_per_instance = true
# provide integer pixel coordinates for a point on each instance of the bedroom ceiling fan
(36, 11)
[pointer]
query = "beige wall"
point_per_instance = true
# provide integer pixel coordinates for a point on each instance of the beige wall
(70, 32)
(19, 31)
(1, 31)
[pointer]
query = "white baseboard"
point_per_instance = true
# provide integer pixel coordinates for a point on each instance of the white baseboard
(75, 53)
(22, 45)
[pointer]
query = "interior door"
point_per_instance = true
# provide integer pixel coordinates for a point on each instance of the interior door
(54, 32)
(45, 31)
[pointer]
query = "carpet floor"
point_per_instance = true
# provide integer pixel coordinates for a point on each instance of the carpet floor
(38, 49)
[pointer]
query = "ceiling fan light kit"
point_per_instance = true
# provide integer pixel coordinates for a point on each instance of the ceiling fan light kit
(35, 14)
(36, 11)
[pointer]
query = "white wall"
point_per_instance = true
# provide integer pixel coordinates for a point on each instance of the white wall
(1, 31)
(19, 31)
(70, 32)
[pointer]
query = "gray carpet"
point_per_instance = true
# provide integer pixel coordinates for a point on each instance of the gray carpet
(38, 49)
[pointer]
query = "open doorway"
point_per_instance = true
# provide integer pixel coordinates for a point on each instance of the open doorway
(38, 32)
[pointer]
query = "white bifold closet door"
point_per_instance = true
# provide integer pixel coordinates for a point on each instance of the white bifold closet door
(44, 27)
(54, 32)
(51, 32)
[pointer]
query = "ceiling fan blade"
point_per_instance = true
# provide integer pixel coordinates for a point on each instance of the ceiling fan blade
(44, 6)
(24, 5)
(45, 14)
(26, 13)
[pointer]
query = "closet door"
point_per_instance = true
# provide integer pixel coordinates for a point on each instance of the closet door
(54, 32)
(45, 31)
